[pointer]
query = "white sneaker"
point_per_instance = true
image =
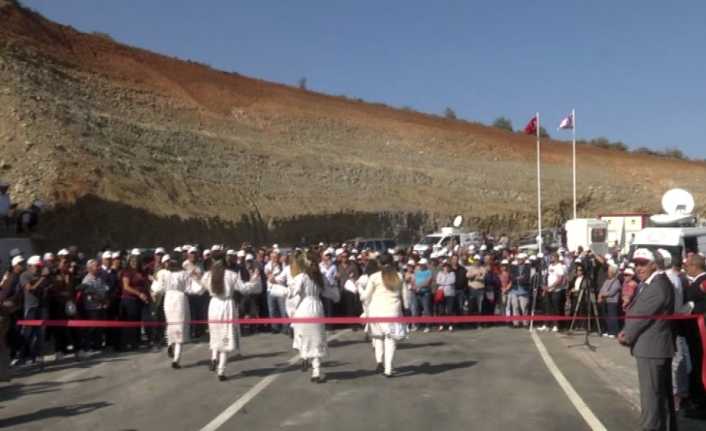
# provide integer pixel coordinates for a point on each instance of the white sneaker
(441, 328)
(605, 334)
(555, 329)
(451, 328)
(542, 328)
(426, 330)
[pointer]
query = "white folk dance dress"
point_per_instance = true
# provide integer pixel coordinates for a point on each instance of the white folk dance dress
(383, 302)
(175, 285)
(309, 338)
(222, 307)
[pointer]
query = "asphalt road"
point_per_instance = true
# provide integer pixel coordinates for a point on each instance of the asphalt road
(484, 379)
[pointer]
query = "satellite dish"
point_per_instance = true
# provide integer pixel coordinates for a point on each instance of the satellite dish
(458, 221)
(678, 202)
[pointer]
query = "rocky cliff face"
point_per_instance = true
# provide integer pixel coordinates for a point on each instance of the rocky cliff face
(130, 147)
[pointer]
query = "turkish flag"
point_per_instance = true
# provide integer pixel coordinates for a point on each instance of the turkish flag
(531, 127)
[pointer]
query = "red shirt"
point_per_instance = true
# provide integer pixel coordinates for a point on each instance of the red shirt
(137, 281)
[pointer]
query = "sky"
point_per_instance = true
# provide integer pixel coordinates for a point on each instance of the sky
(635, 71)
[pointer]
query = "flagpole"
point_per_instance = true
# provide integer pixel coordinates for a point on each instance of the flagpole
(573, 131)
(539, 193)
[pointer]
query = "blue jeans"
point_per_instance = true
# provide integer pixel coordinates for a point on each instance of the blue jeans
(32, 336)
(276, 308)
(425, 302)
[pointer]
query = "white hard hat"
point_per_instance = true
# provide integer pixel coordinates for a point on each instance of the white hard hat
(241, 253)
(17, 260)
(34, 260)
(116, 255)
(206, 253)
(177, 249)
(107, 255)
(165, 258)
(135, 252)
(63, 252)
(160, 250)
(423, 261)
(644, 255)
(231, 252)
(48, 256)
(249, 257)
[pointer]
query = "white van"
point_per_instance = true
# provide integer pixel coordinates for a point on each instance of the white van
(437, 244)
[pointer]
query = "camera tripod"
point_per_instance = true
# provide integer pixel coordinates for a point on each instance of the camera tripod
(591, 314)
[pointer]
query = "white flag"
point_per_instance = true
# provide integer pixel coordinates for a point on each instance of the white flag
(567, 122)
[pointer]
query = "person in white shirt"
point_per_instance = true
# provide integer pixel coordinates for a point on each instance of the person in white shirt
(328, 271)
(681, 364)
(309, 338)
(276, 306)
(555, 290)
(383, 294)
(175, 283)
(223, 284)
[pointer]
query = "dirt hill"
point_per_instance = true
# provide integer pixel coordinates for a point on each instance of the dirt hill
(132, 147)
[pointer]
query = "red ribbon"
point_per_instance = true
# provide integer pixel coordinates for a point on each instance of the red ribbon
(332, 320)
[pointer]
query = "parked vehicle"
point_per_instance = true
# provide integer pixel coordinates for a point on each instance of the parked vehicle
(377, 244)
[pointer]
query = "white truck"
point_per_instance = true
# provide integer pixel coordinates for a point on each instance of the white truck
(587, 233)
(677, 231)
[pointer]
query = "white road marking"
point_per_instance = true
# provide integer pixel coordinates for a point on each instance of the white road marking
(234, 408)
(574, 397)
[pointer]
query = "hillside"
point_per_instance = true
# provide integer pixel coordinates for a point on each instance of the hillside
(132, 147)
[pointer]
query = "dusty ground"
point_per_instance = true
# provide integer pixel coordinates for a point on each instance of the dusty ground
(93, 125)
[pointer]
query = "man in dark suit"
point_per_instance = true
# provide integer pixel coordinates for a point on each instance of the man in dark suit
(651, 342)
(695, 296)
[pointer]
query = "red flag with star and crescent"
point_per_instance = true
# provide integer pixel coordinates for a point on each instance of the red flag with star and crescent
(531, 127)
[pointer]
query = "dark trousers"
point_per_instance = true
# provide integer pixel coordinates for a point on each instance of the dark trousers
(130, 310)
(92, 338)
(63, 337)
(554, 303)
(696, 352)
(656, 400)
(154, 313)
(610, 311)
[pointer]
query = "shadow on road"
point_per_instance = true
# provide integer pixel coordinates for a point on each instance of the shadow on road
(428, 369)
(403, 346)
(17, 390)
(53, 412)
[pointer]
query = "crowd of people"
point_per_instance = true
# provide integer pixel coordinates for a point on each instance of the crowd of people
(218, 284)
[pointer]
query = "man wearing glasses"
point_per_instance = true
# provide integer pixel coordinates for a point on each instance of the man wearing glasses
(651, 342)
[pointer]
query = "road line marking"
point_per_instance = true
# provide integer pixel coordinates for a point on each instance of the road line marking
(234, 408)
(574, 397)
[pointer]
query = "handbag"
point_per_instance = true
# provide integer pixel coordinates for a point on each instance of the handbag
(439, 296)
(333, 293)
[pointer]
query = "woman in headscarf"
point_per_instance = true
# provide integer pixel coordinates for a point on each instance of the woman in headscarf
(307, 283)
(223, 285)
(175, 283)
(383, 293)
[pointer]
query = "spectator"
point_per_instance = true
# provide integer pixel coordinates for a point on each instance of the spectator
(446, 281)
(629, 287)
(609, 298)
(133, 298)
(555, 291)
(422, 282)
(651, 342)
(35, 283)
(95, 294)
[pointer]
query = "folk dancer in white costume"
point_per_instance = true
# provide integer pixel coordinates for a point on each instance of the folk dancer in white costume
(223, 285)
(383, 293)
(309, 338)
(175, 284)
